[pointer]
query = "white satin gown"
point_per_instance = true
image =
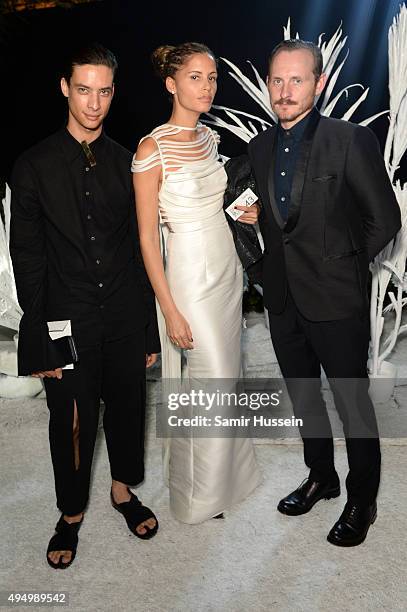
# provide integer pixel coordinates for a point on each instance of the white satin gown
(205, 475)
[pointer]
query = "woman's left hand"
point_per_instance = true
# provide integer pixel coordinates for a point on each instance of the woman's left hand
(250, 214)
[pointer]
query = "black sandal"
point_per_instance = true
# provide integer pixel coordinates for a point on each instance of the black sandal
(135, 513)
(66, 538)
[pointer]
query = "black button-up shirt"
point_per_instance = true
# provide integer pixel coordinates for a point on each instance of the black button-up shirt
(75, 248)
(287, 147)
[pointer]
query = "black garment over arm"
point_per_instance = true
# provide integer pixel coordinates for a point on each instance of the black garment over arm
(75, 249)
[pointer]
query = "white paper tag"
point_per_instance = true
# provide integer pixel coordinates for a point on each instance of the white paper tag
(246, 198)
(59, 329)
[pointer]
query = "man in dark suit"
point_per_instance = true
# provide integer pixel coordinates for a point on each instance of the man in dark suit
(329, 209)
(76, 257)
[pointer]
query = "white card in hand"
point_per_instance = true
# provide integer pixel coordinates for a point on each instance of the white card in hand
(60, 329)
(246, 198)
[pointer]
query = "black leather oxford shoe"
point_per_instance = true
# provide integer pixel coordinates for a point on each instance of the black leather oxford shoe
(353, 524)
(308, 493)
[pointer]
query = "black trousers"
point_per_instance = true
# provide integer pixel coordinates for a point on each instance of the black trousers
(115, 372)
(341, 347)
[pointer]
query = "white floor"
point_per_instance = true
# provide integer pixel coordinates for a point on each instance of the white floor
(254, 560)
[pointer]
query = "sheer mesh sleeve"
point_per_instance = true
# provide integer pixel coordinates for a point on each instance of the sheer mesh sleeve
(173, 154)
(153, 160)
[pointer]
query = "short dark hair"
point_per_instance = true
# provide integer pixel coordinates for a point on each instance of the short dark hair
(292, 44)
(94, 54)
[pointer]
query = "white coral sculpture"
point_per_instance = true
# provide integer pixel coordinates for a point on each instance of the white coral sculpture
(10, 311)
(246, 129)
(390, 264)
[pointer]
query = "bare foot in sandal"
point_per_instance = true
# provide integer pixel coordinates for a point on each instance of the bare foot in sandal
(62, 546)
(133, 511)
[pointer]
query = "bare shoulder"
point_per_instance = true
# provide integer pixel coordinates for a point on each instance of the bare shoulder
(147, 159)
(146, 148)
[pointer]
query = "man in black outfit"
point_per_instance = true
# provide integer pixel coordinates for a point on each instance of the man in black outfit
(76, 257)
(329, 209)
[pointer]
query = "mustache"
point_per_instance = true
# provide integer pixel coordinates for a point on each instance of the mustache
(285, 101)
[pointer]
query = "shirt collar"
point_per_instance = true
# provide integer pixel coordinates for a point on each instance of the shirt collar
(73, 148)
(297, 131)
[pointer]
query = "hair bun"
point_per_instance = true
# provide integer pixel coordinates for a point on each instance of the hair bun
(159, 58)
(167, 59)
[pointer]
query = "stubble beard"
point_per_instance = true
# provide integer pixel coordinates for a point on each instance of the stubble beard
(292, 111)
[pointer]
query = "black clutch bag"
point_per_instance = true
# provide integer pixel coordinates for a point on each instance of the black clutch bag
(66, 349)
(247, 244)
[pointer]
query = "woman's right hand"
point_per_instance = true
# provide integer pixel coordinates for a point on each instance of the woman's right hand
(178, 330)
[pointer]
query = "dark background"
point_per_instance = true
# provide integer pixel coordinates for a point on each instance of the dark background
(33, 43)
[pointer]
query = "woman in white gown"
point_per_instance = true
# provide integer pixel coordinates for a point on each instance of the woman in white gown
(178, 176)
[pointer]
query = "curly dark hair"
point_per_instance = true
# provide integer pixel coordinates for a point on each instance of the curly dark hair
(167, 59)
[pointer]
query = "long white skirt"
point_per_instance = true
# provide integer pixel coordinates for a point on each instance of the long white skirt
(208, 475)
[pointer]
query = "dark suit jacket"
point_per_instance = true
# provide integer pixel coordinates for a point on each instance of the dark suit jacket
(75, 249)
(342, 213)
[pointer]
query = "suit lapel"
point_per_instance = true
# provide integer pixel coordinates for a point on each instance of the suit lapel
(300, 171)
